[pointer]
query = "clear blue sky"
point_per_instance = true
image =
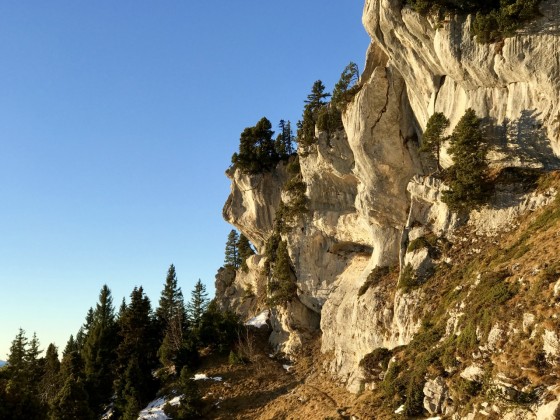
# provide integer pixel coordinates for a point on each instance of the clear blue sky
(117, 121)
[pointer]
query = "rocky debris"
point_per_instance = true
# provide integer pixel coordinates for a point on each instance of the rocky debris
(436, 393)
(496, 337)
(473, 372)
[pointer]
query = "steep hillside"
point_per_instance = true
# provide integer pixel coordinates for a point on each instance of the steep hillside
(446, 310)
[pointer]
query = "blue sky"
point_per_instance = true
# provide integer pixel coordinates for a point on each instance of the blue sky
(117, 122)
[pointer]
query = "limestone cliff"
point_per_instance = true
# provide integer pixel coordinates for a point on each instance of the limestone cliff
(371, 204)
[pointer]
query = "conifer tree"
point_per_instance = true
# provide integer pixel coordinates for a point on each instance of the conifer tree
(99, 351)
(316, 98)
(198, 303)
(284, 142)
(283, 274)
(313, 104)
(136, 353)
(467, 175)
(71, 402)
(72, 365)
(257, 152)
(17, 359)
(433, 136)
(21, 397)
(232, 258)
(346, 87)
(245, 250)
(32, 359)
(171, 319)
(70, 346)
(50, 380)
(171, 298)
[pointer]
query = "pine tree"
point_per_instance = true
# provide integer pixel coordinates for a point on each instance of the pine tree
(198, 303)
(21, 390)
(135, 381)
(314, 103)
(138, 347)
(171, 319)
(283, 275)
(70, 346)
(316, 98)
(433, 136)
(232, 258)
(284, 142)
(467, 175)
(245, 251)
(32, 360)
(84, 330)
(71, 402)
(346, 87)
(257, 152)
(17, 359)
(99, 351)
(171, 300)
(50, 381)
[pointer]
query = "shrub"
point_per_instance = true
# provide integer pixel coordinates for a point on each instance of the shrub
(375, 362)
(409, 280)
(374, 277)
(235, 358)
(428, 241)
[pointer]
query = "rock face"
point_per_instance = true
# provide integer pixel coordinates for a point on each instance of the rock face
(371, 201)
(514, 84)
(253, 202)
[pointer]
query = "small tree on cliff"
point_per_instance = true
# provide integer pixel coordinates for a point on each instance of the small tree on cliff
(313, 104)
(257, 153)
(232, 257)
(433, 136)
(245, 250)
(346, 87)
(467, 175)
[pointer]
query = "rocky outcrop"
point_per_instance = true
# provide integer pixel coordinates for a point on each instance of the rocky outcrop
(253, 202)
(436, 394)
(372, 203)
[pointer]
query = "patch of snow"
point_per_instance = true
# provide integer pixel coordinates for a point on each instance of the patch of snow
(204, 377)
(400, 409)
(154, 410)
(287, 367)
(259, 320)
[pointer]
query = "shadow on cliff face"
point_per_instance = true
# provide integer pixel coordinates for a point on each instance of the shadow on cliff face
(522, 149)
(523, 142)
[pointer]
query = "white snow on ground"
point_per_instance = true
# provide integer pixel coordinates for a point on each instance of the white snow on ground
(287, 367)
(154, 410)
(202, 376)
(400, 409)
(259, 320)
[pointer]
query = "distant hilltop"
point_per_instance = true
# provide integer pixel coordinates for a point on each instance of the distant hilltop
(2, 363)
